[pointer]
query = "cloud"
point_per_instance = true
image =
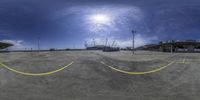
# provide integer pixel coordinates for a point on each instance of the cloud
(18, 44)
(119, 17)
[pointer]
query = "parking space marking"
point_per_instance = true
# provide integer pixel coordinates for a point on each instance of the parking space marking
(36, 74)
(139, 73)
(184, 60)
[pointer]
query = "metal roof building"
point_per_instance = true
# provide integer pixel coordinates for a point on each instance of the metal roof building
(175, 46)
(4, 45)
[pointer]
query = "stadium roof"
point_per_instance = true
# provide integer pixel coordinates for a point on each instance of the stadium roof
(5, 45)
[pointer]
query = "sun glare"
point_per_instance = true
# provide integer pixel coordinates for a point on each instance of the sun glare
(100, 19)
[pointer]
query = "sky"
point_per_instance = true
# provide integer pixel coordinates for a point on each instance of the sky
(72, 23)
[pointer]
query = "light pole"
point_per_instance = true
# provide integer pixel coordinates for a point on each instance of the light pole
(38, 43)
(133, 33)
(106, 41)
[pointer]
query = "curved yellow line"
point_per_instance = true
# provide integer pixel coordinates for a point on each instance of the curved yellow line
(138, 73)
(184, 60)
(38, 74)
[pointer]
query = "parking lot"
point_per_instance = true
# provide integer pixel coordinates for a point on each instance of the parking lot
(86, 75)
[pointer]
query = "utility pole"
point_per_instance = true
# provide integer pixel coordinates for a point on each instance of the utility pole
(133, 46)
(38, 43)
(106, 41)
(172, 42)
(74, 46)
(94, 42)
(113, 43)
(171, 48)
(86, 45)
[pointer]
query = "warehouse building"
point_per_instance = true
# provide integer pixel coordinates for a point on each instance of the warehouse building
(174, 46)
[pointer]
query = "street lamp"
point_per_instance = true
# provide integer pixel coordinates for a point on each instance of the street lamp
(38, 43)
(133, 33)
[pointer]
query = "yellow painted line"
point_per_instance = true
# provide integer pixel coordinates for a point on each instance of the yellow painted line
(139, 73)
(181, 62)
(184, 60)
(36, 74)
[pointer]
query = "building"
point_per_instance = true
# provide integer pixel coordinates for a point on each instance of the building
(95, 47)
(105, 48)
(174, 46)
(4, 45)
(111, 49)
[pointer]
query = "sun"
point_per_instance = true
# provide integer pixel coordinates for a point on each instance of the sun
(100, 19)
(99, 22)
